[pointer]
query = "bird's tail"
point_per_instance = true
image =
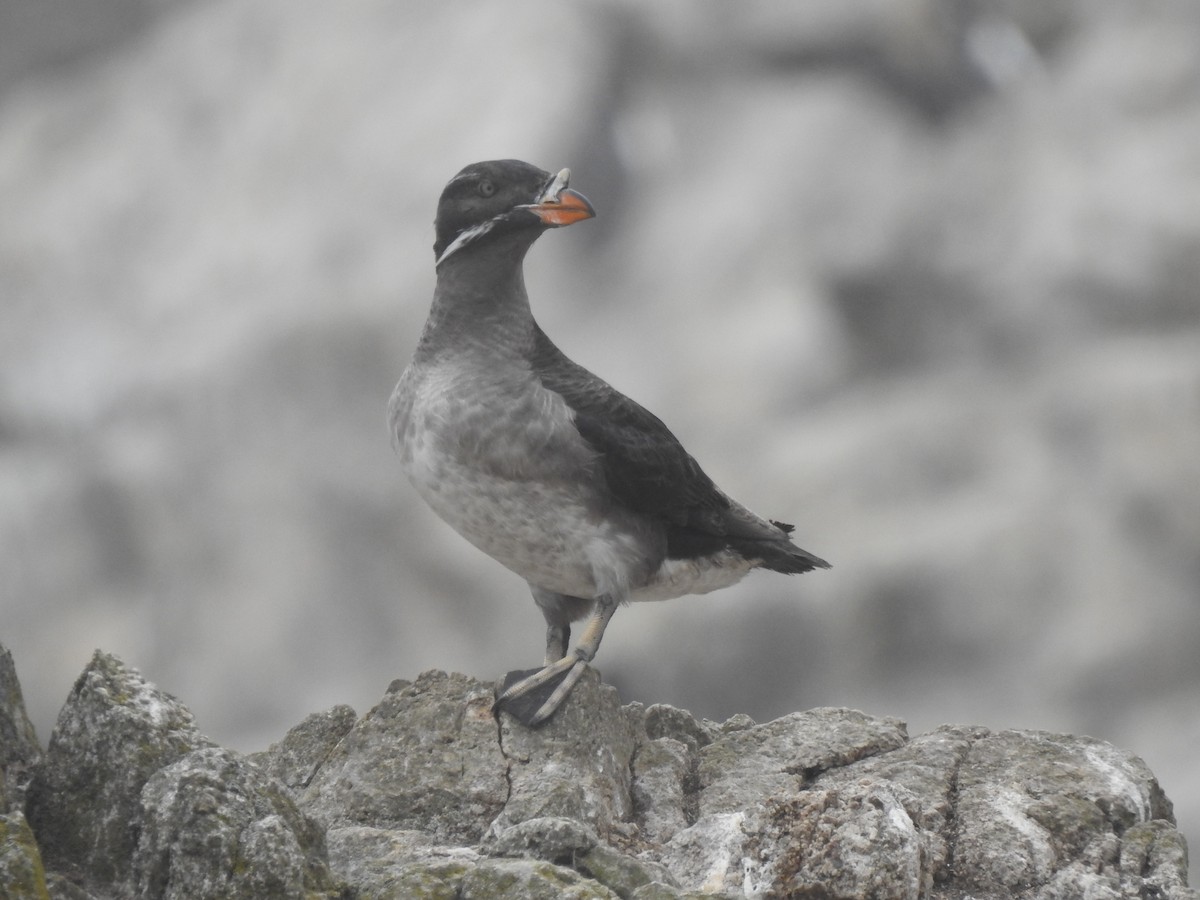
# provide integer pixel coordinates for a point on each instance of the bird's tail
(780, 554)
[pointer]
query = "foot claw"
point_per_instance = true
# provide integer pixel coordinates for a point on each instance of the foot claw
(533, 695)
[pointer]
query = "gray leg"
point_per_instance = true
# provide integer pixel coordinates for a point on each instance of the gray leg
(558, 638)
(558, 677)
(586, 649)
(560, 611)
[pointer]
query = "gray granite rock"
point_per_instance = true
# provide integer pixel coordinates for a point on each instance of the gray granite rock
(430, 795)
(22, 876)
(523, 879)
(927, 770)
(552, 838)
(622, 872)
(1030, 805)
(426, 758)
(663, 788)
(84, 801)
(215, 827)
(856, 841)
(780, 757)
(656, 890)
(577, 765)
(662, 721)
(294, 760)
(19, 748)
(386, 862)
(956, 812)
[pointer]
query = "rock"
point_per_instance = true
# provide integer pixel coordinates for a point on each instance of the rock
(429, 795)
(662, 721)
(426, 758)
(707, 857)
(294, 760)
(1159, 852)
(420, 881)
(927, 767)
(532, 879)
(571, 843)
(19, 749)
(553, 838)
(779, 757)
(621, 872)
(84, 801)
(21, 874)
(857, 841)
(384, 863)
(577, 765)
(1029, 801)
(663, 779)
(658, 891)
(958, 809)
(215, 826)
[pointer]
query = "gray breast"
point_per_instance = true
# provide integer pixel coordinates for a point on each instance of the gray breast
(497, 456)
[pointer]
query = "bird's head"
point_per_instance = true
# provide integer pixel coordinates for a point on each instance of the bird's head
(489, 199)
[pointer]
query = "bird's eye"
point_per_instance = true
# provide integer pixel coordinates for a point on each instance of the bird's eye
(486, 188)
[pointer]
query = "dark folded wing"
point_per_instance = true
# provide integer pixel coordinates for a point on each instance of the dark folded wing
(645, 466)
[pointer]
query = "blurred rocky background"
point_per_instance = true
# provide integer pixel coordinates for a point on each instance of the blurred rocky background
(922, 277)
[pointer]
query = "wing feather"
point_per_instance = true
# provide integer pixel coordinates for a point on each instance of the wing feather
(645, 466)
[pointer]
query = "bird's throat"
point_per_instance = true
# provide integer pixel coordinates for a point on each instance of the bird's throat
(473, 312)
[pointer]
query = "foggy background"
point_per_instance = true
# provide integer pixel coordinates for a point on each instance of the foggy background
(919, 276)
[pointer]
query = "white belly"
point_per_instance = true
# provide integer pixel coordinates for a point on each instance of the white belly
(677, 577)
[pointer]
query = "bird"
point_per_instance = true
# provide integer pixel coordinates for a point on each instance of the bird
(542, 465)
